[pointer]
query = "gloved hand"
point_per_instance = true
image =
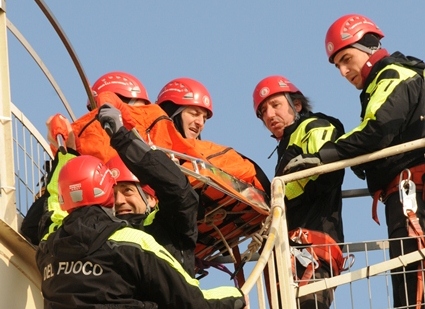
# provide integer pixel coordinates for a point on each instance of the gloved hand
(112, 99)
(302, 162)
(110, 118)
(60, 134)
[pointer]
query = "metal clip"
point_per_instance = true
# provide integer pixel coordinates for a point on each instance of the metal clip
(407, 190)
(297, 237)
(304, 257)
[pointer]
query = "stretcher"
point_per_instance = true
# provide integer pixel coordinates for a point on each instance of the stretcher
(230, 210)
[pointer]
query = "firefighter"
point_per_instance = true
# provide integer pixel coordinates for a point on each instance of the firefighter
(313, 205)
(188, 103)
(392, 108)
(125, 85)
(173, 220)
(96, 260)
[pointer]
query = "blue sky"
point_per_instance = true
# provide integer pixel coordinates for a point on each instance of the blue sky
(227, 45)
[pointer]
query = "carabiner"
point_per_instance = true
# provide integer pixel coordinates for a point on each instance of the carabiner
(297, 237)
(407, 190)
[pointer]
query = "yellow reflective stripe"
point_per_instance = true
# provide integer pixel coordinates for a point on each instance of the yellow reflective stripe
(221, 292)
(149, 219)
(302, 138)
(53, 201)
(295, 188)
(148, 244)
(299, 136)
(384, 88)
(309, 142)
(319, 136)
(381, 91)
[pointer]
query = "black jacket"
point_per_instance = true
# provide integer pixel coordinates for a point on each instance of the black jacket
(95, 260)
(393, 106)
(175, 225)
(315, 202)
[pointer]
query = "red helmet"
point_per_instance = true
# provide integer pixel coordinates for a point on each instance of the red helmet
(121, 83)
(348, 30)
(121, 173)
(85, 181)
(186, 91)
(270, 86)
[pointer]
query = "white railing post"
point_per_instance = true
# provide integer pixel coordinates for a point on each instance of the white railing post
(7, 177)
(276, 255)
(334, 166)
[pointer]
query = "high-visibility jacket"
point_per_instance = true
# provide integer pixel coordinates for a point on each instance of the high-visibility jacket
(174, 225)
(393, 104)
(314, 202)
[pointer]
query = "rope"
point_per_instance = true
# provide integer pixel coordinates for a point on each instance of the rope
(257, 241)
(209, 220)
(204, 264)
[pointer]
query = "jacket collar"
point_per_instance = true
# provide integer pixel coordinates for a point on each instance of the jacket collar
(382, 53)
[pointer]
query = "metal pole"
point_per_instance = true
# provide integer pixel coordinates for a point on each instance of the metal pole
(43, 6)
(7, 176)
(326, 168)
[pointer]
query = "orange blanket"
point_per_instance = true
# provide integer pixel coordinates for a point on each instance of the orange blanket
(156, 128)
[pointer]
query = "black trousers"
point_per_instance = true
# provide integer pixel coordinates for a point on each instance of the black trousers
(404, 279)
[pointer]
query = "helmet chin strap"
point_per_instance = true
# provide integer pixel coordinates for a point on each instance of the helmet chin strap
(132, 101)
(144, 198)
(291, 103)
(178, 111)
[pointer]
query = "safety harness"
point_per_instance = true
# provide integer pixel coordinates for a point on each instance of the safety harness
(407, 183)
(319, 248)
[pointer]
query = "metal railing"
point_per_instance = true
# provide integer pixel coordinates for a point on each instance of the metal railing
(32, 156)
(373, 270)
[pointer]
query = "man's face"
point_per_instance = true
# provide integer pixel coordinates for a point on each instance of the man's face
(128, 199)
(277, 114)
(350, 62)
(193, 120)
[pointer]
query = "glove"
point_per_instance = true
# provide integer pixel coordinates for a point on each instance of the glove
(302, 162)
(110, 118)
(112, 99)
(60, 134)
